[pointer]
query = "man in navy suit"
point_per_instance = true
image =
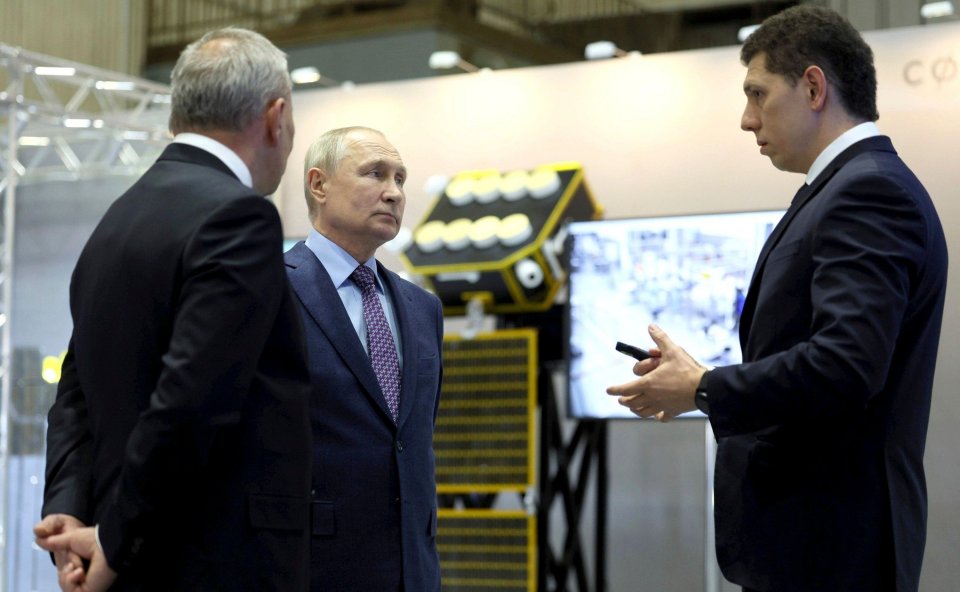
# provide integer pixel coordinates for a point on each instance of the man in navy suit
(180, 425)
(374, 492)
(821, 429)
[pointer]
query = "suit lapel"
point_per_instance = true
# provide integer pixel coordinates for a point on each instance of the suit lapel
(403, 307)
(804, 195)
(315, 289)
(749, 303)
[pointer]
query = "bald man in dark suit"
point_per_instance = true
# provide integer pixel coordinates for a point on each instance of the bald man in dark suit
(180, 428)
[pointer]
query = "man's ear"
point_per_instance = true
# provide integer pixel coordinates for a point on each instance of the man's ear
(815, 82)
(274, 119)
(316, 183)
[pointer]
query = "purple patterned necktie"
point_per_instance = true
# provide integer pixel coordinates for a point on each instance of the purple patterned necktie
(383, 351)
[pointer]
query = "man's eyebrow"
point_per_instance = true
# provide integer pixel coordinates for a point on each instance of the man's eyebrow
(382, 162)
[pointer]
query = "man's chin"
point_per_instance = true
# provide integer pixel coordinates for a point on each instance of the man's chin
(388, 232)
(779, 165)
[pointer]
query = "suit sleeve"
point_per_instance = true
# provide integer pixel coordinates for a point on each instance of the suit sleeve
(231, 292)
(864, 252)
(69, 448)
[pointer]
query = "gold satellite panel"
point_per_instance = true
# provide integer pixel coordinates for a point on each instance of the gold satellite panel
(485, 550)
(484, 439)
(494, 236)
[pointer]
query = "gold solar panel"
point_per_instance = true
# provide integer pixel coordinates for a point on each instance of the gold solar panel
(487, 550)
(491, 235)
(484, 439)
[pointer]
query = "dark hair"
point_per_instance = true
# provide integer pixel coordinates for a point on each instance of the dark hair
(803, 36)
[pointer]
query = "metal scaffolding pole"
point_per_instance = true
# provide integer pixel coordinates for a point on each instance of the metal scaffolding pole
(64, 121)
(8, 193)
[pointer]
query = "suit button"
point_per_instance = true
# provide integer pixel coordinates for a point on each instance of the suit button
(313, 492)
(399, 446)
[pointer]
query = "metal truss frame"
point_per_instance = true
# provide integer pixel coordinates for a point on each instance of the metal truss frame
(62, 121)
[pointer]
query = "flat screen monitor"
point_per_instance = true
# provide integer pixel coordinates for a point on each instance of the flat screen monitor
(688, 274)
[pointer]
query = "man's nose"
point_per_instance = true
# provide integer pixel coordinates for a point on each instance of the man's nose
(748, 122)
(393, 190)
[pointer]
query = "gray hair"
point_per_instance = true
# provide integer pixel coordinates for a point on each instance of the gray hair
(325, 153)
(225, 80)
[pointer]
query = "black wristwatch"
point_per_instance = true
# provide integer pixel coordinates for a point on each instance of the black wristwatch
(700, 398)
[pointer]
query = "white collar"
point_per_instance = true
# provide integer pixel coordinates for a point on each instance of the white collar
(845, 140)
(221, 151)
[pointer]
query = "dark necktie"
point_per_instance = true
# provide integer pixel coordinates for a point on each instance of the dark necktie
(383, 351)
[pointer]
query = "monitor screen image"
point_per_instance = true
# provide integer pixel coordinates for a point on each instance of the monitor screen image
(688, 274)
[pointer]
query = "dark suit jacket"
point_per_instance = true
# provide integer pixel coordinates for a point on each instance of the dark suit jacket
(819, 472)
(180, 424)
(374, 490)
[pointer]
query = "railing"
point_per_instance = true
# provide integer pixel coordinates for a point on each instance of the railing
(536, 12)
(177, 22)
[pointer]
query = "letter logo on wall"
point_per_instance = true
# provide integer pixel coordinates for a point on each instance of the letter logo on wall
(497, 237)
(939, 70)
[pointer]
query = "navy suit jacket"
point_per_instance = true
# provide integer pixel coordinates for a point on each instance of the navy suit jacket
(180, 423)
(374, 489)
(821, 431)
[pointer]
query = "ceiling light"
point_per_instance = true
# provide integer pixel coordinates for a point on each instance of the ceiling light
(444, 60)
(77, 123)
(600, 50)
(54, 71)
(306, 75)
(932, 10)
(310, 75)
(745, 32)
(115, 85)
(34, 141)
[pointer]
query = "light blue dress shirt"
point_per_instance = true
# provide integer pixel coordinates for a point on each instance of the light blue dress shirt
(340, 264)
